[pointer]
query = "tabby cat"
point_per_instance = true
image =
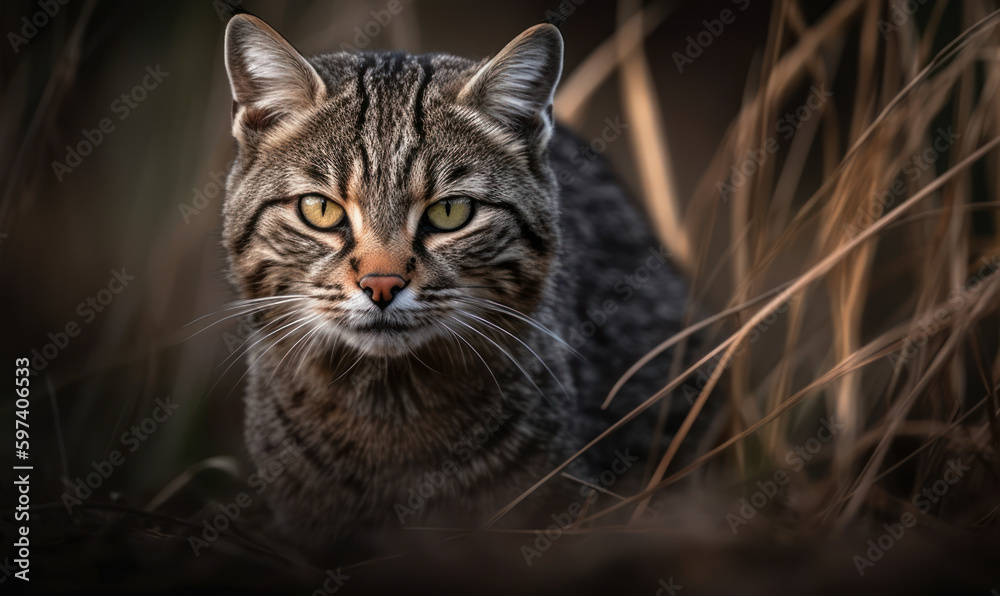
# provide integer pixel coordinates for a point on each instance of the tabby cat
(442, 298)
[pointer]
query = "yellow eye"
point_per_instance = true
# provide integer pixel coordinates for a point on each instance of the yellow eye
(450, 214)
(320, 212)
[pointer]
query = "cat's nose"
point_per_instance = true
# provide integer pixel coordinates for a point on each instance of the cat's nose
(381, 288)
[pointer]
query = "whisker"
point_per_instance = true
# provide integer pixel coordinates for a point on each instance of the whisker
(268, 348)
(239, 352)
(317, 334)
(252, 302)
(508, 355)
(451, 340)
(421, 361)
(306, 351)
(503, 308)
(277, 366)
(476, 352)
(246, 309)
(348, 369)
(235, 360)
(526, 346)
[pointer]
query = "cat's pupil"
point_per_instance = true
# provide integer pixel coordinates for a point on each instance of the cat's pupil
(447, 208)
(322, 209)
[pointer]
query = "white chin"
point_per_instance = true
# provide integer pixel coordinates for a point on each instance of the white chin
(386, 342)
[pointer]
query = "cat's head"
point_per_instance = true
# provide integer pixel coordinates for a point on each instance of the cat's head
(391, 191)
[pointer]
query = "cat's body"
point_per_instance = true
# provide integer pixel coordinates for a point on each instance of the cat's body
(417, 367)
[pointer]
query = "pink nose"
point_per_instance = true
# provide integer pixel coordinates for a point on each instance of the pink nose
(382, 288)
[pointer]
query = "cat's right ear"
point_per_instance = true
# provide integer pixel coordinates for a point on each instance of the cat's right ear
(270, 80)
(517, 86)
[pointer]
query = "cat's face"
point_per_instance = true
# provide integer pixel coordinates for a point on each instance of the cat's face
(389, 195)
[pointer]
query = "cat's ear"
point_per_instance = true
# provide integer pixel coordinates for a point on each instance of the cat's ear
(270, 80)
(516, 87)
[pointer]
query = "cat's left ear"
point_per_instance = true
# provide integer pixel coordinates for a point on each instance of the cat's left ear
(517, 86)
(270, 80)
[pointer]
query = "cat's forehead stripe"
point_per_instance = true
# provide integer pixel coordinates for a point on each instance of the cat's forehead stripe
(362, 115)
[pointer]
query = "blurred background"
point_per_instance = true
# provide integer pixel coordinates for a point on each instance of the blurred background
(760, 137)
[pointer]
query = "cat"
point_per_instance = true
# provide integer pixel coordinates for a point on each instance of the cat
(444, 290)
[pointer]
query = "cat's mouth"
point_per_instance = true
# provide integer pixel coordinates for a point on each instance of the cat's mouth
(385, 333)
(386, 337)
(394, 331)
(383, 326)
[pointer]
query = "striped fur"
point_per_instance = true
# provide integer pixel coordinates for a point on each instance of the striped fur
(377, 399)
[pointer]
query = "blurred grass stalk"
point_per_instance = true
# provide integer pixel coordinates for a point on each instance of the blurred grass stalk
(842, 246)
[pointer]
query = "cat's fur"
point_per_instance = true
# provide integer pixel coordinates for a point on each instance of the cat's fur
(430, 389)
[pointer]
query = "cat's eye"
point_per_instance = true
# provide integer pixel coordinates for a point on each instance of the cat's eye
(450, 214)
(320, 212)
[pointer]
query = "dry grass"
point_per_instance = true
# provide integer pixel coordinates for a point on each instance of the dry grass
(800, 248)
(859, 285)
